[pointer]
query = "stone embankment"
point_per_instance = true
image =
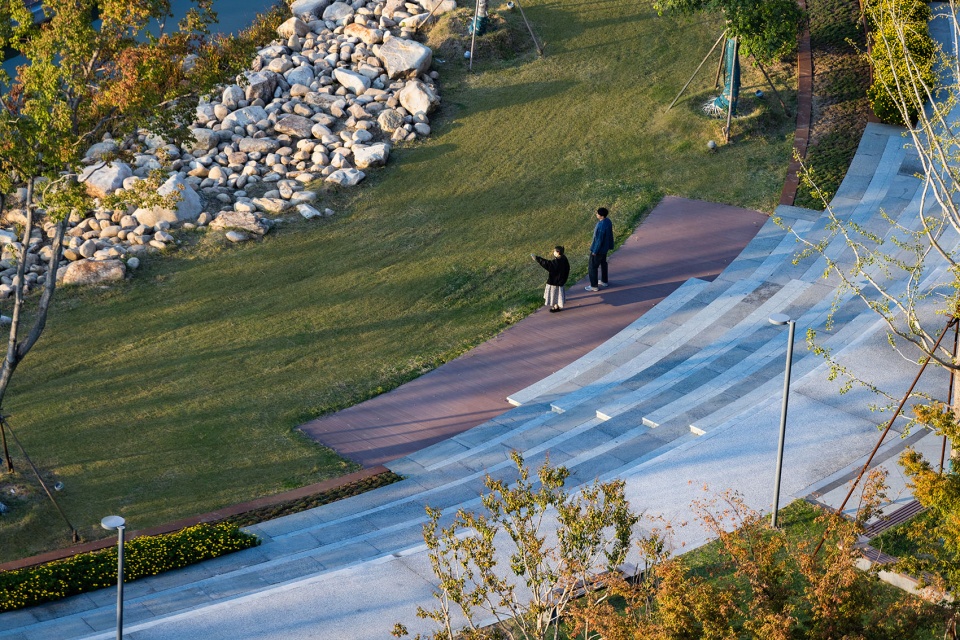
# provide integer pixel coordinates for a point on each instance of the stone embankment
(326, 101)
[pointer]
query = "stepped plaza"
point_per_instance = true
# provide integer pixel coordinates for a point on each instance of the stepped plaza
(687, 396)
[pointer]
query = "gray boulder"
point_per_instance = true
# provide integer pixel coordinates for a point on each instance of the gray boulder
(261, 87)
(352, 81)
(404, 58)
(392, 6)
(438, 7)
(308, 212)
(243, 117)
(241, 221)
(302, 75)
(418, 98)
(101, 149)
(206, 113)
(346, 177)
(103, 179)
(232, 96)
(321, 99)
(338, 11)
(309, 9)
(258, 145)
(366, 34)
(390, 120)
(271, 205)
(237, 236)
(293, 27)
(203, 140)
(294, 126)
(187, 209)
(87, 272)
(374, 155)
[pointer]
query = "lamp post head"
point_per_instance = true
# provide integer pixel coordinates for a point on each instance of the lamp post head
(111, 523)
(780, 319)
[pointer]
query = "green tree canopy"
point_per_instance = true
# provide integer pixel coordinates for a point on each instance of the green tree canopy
(766, 29)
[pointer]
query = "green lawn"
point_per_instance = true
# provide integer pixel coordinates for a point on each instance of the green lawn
(178, 391)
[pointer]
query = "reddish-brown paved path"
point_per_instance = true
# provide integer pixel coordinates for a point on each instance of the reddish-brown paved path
(680, 239)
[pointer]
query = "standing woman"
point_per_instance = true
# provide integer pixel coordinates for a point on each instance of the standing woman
(558, 270)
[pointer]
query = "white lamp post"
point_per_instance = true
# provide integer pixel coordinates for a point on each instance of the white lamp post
(782, 319)
(110, 523)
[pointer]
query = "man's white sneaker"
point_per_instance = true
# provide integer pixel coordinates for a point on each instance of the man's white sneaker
(589, 288)
(603, 284)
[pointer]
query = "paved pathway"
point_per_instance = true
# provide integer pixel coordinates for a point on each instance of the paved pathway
(687, 395)
(680, 239)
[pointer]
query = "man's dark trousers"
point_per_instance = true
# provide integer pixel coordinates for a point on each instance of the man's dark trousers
(598, 260)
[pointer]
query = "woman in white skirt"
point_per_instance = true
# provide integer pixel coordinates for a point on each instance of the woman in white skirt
(558, 270)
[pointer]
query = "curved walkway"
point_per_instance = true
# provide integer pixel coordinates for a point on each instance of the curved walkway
(679, 240)
(687, 395)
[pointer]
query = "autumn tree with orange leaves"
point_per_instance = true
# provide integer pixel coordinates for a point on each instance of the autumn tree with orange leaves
(93, 67)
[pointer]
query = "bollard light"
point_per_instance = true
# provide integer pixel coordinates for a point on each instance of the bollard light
(110, 523)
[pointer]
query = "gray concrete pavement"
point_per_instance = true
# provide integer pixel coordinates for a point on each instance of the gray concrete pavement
(686, 399)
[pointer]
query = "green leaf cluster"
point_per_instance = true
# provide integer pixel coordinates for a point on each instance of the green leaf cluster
(902, 54)
(766, 29)
(143, 556)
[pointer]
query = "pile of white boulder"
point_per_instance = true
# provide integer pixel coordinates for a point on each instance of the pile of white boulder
(327, 100)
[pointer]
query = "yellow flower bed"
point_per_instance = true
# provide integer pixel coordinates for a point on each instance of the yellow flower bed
(144, 556)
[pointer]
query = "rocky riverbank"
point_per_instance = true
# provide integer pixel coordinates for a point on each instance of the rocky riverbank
(326, 101)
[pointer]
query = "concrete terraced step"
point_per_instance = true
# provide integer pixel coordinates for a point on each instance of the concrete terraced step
(764, 252)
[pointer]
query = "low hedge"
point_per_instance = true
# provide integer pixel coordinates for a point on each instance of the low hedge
(889, 54)
(143, 556)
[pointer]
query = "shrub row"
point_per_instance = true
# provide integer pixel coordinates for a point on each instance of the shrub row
(143, 556)
(902, 54)
(348, 490)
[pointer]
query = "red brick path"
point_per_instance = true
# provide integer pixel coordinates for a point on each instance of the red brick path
(680, 239)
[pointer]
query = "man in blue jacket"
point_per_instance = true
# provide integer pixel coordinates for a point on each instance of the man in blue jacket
(602, 243)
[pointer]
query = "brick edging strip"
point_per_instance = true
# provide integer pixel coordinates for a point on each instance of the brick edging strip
(213, 516)
(804, 113)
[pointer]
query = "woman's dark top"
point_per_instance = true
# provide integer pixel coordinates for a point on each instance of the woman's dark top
(558, 270)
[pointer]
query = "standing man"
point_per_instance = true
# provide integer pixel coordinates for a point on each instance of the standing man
(602, 243)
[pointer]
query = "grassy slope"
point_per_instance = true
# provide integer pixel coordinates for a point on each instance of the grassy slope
(178, 391)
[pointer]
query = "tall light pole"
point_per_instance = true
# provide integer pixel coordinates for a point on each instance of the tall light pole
(110, 523)
(782, 319)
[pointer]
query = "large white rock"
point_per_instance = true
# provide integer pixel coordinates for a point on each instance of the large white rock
(262, 85)
(103, 179)
(203, 140)
(346, 177)
(300, 75)
(374, 155)
(239, 220)
(405, 58)
(309, 9)
(243, 117)
(418, 98)
(101, 149)
(187, 209)
(294, 126)
(338, 11)
(271, 205)
(308, 212)
(392, 6)
(293, 27)
(438, 7)
(87, 272)
(390, 120)
(206, 113)
(258, 145)
(232, 96)
(368, 35)
(352, 81)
